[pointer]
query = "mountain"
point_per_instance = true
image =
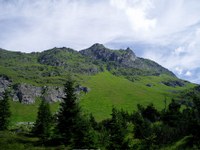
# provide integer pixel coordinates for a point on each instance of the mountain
(105, 78)
(119, 59)
(52, 66)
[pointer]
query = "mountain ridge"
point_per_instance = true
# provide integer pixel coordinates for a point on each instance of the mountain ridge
(94, 58)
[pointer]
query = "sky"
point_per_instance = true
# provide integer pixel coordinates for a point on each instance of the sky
(166, 31)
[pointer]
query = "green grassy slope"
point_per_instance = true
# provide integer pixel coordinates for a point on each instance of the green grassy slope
(27, 113)
(108, 90)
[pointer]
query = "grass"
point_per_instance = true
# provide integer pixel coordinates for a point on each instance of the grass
(108, 90)
(27, 112)
(22, 141)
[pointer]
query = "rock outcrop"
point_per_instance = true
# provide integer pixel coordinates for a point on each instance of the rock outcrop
(173, 83)
(27, 94)
(123, 59)
(53, 94)
(5, 82)
(99, 52)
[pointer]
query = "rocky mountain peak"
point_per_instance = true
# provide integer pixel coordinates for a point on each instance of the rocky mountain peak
(100, 52)
(128, 50)
(97, 46)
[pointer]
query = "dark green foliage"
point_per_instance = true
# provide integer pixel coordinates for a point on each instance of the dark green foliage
(104, 133)
(143, 130)
(172, 115)
(43, 123)
(84, 136)
(156, 129)
(195, 119)
(118, 131)
(74, 129)
(93, 122)
(150, 112)
(4, 112)
(69, 114)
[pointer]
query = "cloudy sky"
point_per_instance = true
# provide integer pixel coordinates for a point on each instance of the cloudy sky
(166, 31)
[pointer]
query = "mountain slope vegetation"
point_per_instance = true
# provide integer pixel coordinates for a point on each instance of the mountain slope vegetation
(115, 78)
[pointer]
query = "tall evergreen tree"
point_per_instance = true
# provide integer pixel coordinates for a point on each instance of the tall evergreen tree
(44, 120)
(74, 129)
(69, 113)
(4, 112)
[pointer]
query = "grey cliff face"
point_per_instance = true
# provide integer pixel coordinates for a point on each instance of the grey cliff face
(53, 94)
(5, 82)
(123, 58)
(27, 94)
(128, 58)
(99, 52)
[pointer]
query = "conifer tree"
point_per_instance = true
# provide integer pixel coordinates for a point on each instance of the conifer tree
(4, 112)
(69, 114)
(74, 128)
(44, 120)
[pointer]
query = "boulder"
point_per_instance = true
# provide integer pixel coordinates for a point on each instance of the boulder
(26, 93)
(53, 94)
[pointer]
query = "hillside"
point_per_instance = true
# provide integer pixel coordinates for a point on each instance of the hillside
(112, 77)
(109, 90)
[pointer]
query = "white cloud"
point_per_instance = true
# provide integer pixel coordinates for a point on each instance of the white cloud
(180, 50)
(45, 24)
(137, 12)
(188, 73)
(179, 70)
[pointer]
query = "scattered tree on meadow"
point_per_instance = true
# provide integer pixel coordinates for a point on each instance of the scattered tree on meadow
(44, 120)
(4, 112)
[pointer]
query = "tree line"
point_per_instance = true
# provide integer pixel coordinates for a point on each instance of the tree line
(145, 128)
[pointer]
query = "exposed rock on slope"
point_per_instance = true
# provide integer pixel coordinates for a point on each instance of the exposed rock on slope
(5, 82)
(123, 59)
(27, 94)
(99, 52)
(53, 94)
(174, 83)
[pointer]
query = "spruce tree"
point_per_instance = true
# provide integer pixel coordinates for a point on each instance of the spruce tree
(74, 128)
(43, 121)
(69, 114)
(4, 112)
